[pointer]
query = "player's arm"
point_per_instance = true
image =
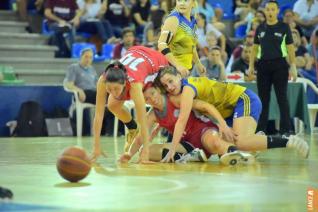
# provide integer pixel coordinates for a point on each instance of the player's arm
(151, 120)
(196, 60)
(101, 96)
(140, 105)
(185, 109)
(168, 31)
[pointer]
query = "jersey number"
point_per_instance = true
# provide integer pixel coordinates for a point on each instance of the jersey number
(131, 62)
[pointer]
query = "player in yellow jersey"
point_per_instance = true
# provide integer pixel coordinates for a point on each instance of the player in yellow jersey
(239, 106)
(178, 40)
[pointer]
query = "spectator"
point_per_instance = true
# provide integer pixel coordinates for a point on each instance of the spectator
(205, 8)
(204, 28)
(242, 64)
(306, 15)
(90, 21)
(82, 78)
(211, 40)
(128, 41)
(24, 6)
(140, 13)
(289, 18)
(248, 20)
(63, 17)
(236, 53)
(214, 65)
(303, 59)
(153, 27)
(117, 13)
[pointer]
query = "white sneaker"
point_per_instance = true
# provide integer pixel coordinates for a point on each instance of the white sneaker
(237, 157)
(296, 142)
(196, 155)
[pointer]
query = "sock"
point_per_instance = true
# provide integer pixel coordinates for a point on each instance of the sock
(131, 125)
(231, 149)
(176, 156)
(276, 142)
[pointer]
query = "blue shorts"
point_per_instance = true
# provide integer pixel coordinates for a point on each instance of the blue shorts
(248, 104)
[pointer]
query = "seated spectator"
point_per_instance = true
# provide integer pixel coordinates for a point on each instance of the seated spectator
(236, 54)
(214, 65)
(217, 21)
(153, 28)
(303, 59)
(203, 29)
(242, 64)
(241, 8)
(117, 12)
(289, 18)
(306, 15)
(90, 21)
(212, 41)
(140, 13)
(248, 20)
(206, 9)
(127, 42)
(63, 17)
(24, 6)
(82, 78)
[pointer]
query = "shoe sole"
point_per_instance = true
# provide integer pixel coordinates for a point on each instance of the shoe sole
(234, 158)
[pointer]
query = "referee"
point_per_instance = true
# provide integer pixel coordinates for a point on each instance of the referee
(273, 45)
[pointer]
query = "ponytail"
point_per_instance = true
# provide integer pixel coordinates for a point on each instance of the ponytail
(115, 72)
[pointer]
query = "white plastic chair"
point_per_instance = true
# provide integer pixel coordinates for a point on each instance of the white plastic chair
(312, 108)
(79, 107)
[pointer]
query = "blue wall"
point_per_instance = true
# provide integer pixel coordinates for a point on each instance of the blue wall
(11, 97)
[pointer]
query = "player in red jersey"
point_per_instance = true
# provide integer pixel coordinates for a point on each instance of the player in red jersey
(202, 134)
(124, 80)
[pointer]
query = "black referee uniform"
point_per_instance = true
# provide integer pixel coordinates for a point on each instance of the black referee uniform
(273, 69)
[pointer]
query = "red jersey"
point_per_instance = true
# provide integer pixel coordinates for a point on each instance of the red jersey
(194, 129)
(142, 65)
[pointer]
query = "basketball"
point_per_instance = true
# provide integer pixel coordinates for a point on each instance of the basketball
(73, 164)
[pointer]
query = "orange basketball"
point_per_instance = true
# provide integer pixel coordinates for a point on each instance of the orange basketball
(73, 164)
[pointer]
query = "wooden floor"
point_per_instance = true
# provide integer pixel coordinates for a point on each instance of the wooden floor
(278, 182)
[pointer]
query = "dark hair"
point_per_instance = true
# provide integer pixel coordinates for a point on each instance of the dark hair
(163, 71)
(127, 30)
(115, 72)
(157, 18)
(204, 19)
(272, 1)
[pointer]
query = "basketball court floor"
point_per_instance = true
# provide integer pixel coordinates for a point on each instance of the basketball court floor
(277, 182)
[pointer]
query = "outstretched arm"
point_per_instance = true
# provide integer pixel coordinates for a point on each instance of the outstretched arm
(151, 119)
(140, 105)
(185, 110)
(209, 109)
(99, 116)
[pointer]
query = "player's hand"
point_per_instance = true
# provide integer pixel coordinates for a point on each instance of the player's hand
(169, 157)
(144, 156)
(250, 72)
(201, 69)
(96, 153)
(293, 72)
(227, 133)
(183, 71)
(124, 158)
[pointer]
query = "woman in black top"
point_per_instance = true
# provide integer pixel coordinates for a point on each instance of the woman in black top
(273, 43)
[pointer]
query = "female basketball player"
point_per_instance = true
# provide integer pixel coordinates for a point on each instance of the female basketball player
(122, 81)
(178, 40)
(198, 133)
(237, 104)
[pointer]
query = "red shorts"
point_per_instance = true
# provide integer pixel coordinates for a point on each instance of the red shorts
(194, 135)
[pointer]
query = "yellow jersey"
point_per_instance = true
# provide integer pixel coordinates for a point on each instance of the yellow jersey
(184, 41)
(223, 96)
